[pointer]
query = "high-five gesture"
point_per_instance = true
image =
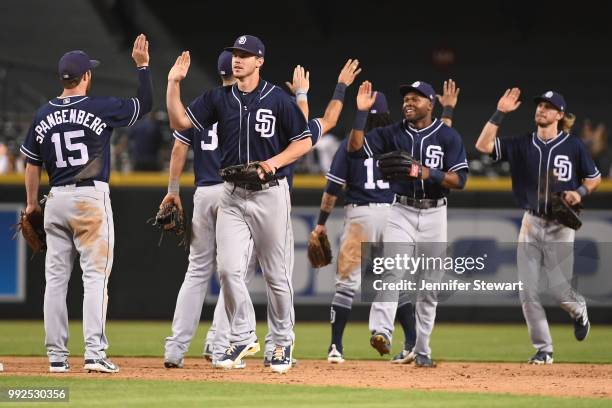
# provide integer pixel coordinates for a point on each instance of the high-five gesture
(300, 82)
(509, 101)
(365, 96)
(450, 94)
(179, 70)
(140, 52)
(349, 72)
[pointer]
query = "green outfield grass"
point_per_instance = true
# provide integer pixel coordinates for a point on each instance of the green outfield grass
(458, 342)
(114, 393)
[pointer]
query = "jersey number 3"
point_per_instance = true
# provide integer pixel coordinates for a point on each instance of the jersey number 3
(214, 139)
(71, 147)
(370, 184)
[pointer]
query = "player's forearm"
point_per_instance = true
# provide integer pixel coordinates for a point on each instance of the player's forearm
(591, 184)
(327, 205)
(303, 105)
(447, 179)
(486, 140)
(294, 151)
(176, 110)
(145, 90)
(177, 163)
(331, 116)
(32, 183)
(328, 202)
(357, 134)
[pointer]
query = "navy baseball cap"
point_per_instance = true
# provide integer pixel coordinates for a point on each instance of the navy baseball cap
(75, 63)
(380, 104)
(224, 63)
(421, 87)
(250, 44)
(554, 98)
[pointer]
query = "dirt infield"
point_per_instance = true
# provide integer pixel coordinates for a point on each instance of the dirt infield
(577, 380)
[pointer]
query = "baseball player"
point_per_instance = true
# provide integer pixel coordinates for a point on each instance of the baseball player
(367, 209)
(70, 136)
(368, 201)
(256, 121)
(202, 252)
(546, 161)
(418, 214)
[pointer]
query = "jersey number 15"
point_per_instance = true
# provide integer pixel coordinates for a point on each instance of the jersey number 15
(70, 146)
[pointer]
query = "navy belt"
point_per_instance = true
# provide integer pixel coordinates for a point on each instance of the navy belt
(85, 183)
(420, 203)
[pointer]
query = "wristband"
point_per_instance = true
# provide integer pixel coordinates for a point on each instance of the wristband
(582, 190)
(437, 176)
(339, 91)
(360, 120)
(497, 117)
(323, 215)
(447, 112)
(173, 187)
(301, 95)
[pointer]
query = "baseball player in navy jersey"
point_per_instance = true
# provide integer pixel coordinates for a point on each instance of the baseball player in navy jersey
(70, 136)
(369, 200)
(546, 161)
(202, 252)
(418, 215)
(256, 121)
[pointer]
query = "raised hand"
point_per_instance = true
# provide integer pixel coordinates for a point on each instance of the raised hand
(301, 80)
(178, 72)
(365, 96)
(509, 101)
(140, 52)
(349, 72)
(450, 94)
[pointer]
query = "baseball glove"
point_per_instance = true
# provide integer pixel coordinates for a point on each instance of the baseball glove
(564, 213)
(32, 227)
(251, 173)
(399, 166)
(171, 219)
(319, 250)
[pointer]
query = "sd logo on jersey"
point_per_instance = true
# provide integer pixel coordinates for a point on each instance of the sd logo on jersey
(563, 167)
(266, 122)
(434, 156)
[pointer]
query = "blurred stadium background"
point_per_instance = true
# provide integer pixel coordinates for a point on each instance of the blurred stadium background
(485, 48)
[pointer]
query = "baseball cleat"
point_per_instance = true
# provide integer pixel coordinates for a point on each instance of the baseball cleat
(282, 359)
(100, 365)
(404, 357)
(235, 353)
(381, 342)
(423, 361)
(582, 326)
(541, 358)
(240, 364)
(267, 360)
(59, 367)
(173, 363)
(335, 355)
(208, 352)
